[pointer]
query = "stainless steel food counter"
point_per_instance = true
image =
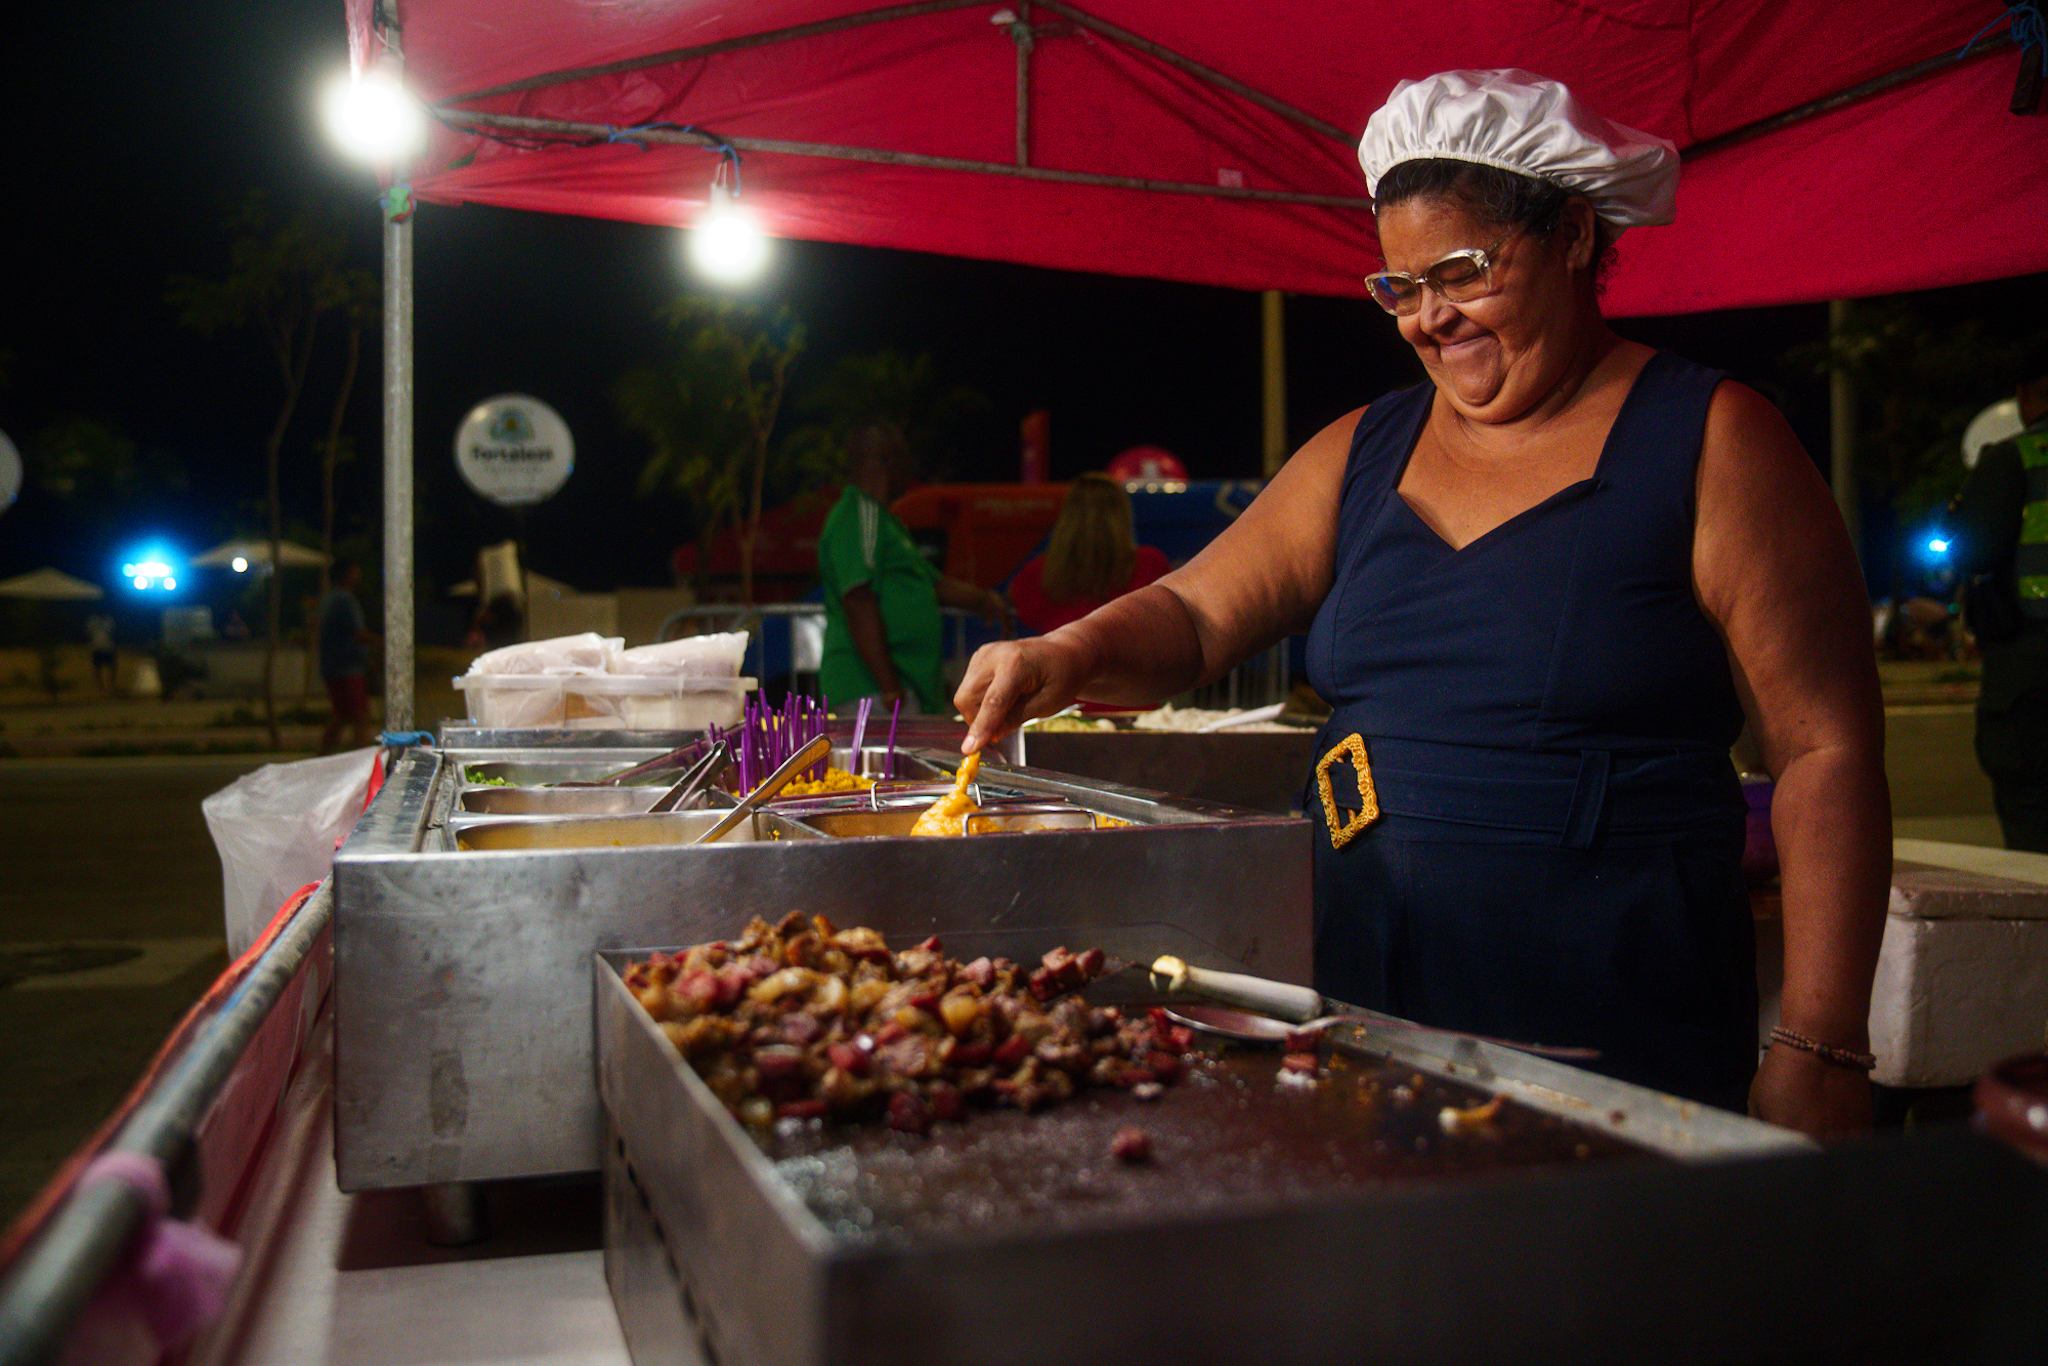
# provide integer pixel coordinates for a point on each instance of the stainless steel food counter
(1256, 770)
(462, 936)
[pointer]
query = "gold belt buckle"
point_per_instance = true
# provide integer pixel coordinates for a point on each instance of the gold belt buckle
(1342, 832)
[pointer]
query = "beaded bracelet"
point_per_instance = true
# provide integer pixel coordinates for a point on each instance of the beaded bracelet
(1841, 1057)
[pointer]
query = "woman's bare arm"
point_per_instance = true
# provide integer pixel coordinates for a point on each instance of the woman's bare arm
(1774, 568)
(1262, 578)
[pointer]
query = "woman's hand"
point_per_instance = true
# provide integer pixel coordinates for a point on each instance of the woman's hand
(1012, 681)
(1807, 1093)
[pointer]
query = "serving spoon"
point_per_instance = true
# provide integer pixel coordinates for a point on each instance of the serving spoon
(1283, 1009)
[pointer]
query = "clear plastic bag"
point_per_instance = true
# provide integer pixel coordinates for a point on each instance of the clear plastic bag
(276, 830)
(588, 653)
(713, 656)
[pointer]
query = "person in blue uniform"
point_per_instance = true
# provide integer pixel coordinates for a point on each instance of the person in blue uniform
(1542, 589)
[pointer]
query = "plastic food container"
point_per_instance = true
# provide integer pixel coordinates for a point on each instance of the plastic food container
(602, 701)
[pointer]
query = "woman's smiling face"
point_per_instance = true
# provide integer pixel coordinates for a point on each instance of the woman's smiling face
(1495, 357)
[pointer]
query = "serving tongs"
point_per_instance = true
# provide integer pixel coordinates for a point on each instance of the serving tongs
(695, 779)
(1259, 1010)
(815, 749)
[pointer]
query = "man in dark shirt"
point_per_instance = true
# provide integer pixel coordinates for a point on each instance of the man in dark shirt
(1998, 534)
(344, 657)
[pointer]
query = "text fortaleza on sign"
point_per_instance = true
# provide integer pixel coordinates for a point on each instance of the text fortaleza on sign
(514, 450)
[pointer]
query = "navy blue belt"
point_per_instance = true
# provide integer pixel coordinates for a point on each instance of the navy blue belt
(1566, 798)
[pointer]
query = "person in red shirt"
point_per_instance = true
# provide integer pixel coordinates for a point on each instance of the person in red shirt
(1092, 557)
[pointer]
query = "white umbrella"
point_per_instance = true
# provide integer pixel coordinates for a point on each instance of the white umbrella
(49, 585)
(290, 554)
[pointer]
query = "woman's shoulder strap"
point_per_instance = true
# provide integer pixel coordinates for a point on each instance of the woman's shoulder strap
(1386, 432)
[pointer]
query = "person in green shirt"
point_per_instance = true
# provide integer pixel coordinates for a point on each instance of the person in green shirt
(1998, 532)
(884, 637)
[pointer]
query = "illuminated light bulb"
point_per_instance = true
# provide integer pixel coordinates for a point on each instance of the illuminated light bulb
(170, 585)
(1938, 546)
(726, 243)
(141, 582)
(373, 119)
(240, 565)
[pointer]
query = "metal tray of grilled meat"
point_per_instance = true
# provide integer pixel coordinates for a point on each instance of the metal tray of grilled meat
(464, 1044)
(1341, 1223)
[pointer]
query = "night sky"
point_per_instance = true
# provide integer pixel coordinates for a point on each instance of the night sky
(137, 125)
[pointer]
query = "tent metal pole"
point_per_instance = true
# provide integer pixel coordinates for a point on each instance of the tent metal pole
(399, 666)
(597, 132)
(398, 567)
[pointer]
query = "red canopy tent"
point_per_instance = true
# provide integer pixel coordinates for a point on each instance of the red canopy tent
(1212, 142)
(1835, 148)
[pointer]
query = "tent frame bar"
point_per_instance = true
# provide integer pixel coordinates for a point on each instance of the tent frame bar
(1026, 39)
(565, 129)
(1079, 18)
(739, 44)
(1877, 85)
(1196, 69)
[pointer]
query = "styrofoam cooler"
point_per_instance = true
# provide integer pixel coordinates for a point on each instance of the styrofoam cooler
(1962, 975)
(1962, 979)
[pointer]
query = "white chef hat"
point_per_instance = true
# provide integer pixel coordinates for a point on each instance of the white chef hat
(1524, 123)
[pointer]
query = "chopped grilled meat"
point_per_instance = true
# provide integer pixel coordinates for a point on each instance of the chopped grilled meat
(1132, 1145)
(804, 1020)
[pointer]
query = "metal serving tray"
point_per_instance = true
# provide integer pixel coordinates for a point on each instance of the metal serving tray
(1718, 1239)
(989, 820)
(669, 828)
(464, 1044)
(558, 801)
(486, 769)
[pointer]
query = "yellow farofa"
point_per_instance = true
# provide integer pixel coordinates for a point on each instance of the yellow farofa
(835, 780)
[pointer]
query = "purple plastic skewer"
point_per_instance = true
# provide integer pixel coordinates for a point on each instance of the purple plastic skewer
(860, 730)
(895, 710)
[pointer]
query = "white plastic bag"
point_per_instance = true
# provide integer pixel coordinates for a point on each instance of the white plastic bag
(713, 656)
(276, 830)
(589, 653)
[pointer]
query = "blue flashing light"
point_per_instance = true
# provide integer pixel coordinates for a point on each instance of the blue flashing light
(153, 570)
(1938, 545)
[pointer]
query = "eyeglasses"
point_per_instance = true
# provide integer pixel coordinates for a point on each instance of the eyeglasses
(1460, 278)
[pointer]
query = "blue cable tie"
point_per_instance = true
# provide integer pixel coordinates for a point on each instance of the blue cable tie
(626, 135)
(2029, 29)
(399, 739)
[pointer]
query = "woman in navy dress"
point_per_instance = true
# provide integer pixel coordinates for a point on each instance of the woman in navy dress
(1542, 590)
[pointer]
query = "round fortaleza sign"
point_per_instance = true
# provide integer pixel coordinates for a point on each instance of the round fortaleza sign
(514, 450)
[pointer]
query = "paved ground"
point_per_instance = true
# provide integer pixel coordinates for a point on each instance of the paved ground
(110, 926)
